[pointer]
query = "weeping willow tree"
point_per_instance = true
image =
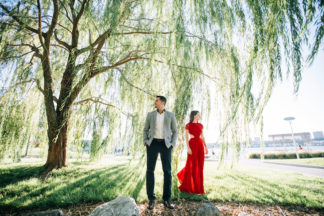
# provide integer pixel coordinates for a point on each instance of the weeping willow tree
(110, 58)
(250, 43)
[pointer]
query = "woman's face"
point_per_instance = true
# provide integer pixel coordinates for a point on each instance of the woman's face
(197, 117)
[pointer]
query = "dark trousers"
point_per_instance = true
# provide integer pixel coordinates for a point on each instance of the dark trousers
(153, 150)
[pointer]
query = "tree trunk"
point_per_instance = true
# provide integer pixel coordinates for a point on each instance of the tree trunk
(56, 157)
(58, 121)
(27, 147)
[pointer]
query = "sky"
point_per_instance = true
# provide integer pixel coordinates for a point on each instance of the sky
(307, 106)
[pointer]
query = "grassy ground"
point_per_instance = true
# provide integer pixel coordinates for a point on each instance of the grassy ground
(92, 182)
(304, 161)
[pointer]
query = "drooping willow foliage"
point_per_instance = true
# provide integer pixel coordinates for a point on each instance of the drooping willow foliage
(196, 53)
(22, 124)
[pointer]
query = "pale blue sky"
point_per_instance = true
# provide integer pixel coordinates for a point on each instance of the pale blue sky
(307, 106)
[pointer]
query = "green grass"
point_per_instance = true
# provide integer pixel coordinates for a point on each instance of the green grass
(304, 161)
(90, 182)
(264, 185)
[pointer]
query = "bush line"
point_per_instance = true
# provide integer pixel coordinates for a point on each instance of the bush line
(286, 155)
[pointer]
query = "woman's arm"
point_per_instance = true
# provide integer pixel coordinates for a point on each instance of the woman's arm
(203, 139)
(187, 142)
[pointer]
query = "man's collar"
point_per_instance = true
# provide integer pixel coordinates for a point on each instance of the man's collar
(157, 110)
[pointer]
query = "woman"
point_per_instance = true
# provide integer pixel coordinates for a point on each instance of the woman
(191, 177)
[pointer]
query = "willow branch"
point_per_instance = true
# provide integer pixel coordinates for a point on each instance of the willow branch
(88, 76)
(29, 81)
(140, 19)
(17, 56)
(66, 45)
(119, 63)
(64, 27)
(188, 34)
(141, 32)
(80, 12)
(93, 58)
(23, 82)
(66, 12)
(54, 19)
(33, 48)
(101, 101)
(40, 88)
(214, 79)
(28, 45)
(72, 9)
(18, 20)
(75, 32)
(132, 85)
(40, 35)
(99, 42)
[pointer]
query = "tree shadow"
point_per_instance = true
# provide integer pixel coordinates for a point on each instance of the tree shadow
(266, 191)
(74, 186)
(138, 187)
(20, 173)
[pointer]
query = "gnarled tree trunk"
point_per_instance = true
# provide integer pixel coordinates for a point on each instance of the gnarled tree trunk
(56, 157)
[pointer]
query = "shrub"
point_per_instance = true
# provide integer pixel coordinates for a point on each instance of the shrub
(254, 156)
(286, 155)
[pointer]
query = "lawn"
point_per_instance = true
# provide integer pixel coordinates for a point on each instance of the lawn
(92, 182)
(304, 161)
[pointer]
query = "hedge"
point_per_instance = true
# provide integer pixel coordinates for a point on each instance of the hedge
(286, 155)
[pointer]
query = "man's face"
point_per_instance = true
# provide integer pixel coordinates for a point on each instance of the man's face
(158, 103)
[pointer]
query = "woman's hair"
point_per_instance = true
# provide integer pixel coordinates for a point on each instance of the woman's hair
(192, 115)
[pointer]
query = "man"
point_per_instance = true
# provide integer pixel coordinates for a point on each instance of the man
(160, 136)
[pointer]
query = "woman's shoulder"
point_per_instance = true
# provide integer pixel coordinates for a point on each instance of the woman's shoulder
(187, 125)
(201, 125)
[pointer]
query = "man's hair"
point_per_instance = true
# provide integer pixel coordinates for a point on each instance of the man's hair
(162, 98)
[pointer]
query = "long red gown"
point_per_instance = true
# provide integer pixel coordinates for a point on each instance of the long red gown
(191, 177)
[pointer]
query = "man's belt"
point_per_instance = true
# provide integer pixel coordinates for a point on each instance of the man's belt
(159, 140)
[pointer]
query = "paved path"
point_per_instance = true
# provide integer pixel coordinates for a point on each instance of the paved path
(304, 169)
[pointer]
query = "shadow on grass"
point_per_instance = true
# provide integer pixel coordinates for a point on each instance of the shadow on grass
(138, 187)
(72, 185)
(19, 173)
(252, 189)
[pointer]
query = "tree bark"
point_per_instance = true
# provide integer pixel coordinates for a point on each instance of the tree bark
(27, 147)
(56, 157)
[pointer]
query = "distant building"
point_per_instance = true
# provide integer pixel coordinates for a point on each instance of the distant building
(257, 139)
(284, 139)
(318, 135)
(255, 143)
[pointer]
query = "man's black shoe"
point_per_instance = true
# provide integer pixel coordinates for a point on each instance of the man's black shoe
(151, 205)
(168, 204)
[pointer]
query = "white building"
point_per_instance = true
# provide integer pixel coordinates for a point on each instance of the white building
(318, 135)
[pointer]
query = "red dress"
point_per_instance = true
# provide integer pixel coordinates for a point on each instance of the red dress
(191, 177)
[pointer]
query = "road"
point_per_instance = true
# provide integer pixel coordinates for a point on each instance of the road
(304, 169)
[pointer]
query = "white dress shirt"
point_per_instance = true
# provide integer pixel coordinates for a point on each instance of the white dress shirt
(159, 126)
